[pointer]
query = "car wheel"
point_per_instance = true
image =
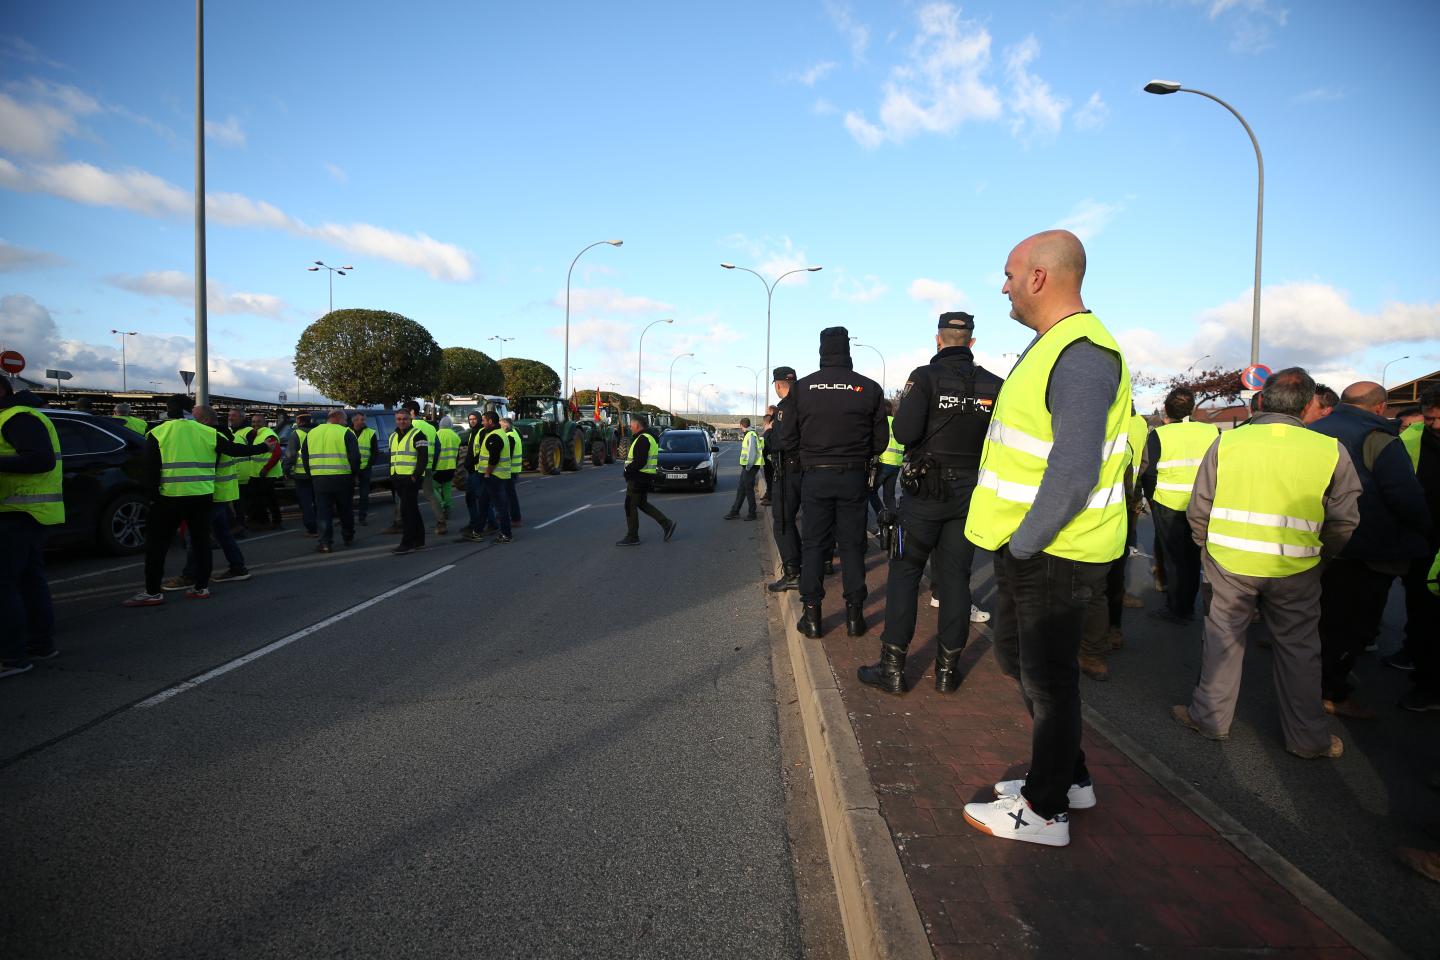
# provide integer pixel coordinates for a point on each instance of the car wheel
(121, 530)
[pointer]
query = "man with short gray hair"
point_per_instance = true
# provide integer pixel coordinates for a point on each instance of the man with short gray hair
(1271, 501)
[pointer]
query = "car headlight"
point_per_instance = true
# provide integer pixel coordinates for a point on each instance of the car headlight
(702, 465)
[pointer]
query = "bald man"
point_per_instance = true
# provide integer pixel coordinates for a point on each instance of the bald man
(1394, 523)
(1050, 502)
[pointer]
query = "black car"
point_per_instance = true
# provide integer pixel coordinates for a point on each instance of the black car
(687, 461)
(105, 503)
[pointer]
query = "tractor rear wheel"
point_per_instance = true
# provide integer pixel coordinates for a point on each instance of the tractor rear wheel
(597, 452)
(548, 456)
(610, 447)
(575, 451)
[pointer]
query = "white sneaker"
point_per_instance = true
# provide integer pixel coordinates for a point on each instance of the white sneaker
(1012, 818)
(977, 615)
(1080, 796)
(934, 600)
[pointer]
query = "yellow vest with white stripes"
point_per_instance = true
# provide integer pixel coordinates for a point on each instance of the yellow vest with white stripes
(1182, 446)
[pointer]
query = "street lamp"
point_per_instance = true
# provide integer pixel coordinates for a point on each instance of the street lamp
(613, 243)
(503, 341)
(1386, 369)
(124, 384)
(321, 265)
(769, 296)
(1204, 356)
(689, 403)
(640, 356)
(1164, 87)
(883, 375)
(755, 404)
(672, 378)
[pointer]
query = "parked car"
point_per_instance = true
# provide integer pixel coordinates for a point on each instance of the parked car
(687, 461)
(102, 465)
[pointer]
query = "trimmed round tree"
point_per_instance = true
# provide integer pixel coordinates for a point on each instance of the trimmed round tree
(466, 372)
(365, 357)
(529, 378)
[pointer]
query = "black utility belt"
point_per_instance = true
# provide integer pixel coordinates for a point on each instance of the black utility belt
(850, 465)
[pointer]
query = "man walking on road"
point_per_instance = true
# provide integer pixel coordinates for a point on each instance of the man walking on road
(942, 421)
(838, 426)
(785, 486)
(489, 469)
(1172, 460)
(640, 466)
(31, 502)
(1050, 502)
(752, 455)
(368, 443)
(409, 460)
(332, 458)
(1271, 501)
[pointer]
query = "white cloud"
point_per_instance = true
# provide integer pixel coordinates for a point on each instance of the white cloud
(13, 258)
(858, 34)
(823, 108)
(1089, 217)
(814, 73)
(48, 114)
(1093, 114)
(857, 289)
(1035, 112)
(179, 286)
(941, 295)
(1251, 23)
(443, 261)
(337, 173)
(227, 132)
(772, 256)
(603, 300)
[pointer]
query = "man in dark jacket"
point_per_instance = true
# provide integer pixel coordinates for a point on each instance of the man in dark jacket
(28, 458)
(640, 467)
(1393, 533)
(1421, 655)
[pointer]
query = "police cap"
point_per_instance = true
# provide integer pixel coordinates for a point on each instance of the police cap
(784, 373)
(957, 320)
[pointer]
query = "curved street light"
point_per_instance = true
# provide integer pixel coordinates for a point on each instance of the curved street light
(883, 375)
(1203, 356)
(1165, 87)
(503, 341)
(689, 404)
(613, 243)
(322, 265)
(1383, 371)
(671, 400)
(124, 383)
(770, 296)
(755, 403)
(640, 357)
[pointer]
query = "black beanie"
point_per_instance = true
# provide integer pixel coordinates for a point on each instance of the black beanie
(834, 347)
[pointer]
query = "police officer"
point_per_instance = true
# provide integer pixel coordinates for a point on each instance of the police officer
(942, 421)
(785, 485)
(838, 427)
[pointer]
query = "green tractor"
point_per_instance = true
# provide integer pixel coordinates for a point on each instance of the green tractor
(551, 437)
(602, 439)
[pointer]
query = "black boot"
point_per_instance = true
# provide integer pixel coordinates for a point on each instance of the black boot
(947, 669)
(829, 566)
(789, 579)
(855, 619)
(889, 673)
(810, 621)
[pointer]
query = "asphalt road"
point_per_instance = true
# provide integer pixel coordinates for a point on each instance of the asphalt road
(554, 748)
(1338, 821)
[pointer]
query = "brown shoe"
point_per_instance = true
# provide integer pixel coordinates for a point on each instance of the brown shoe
(1424, 862)
(1180, 713)
(1116, 638)
(441, 529)
(1095, 668)
(1132, 602)
(1349, 708)
(1335, 751)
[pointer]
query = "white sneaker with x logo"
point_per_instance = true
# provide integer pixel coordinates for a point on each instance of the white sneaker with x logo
(1012, 818)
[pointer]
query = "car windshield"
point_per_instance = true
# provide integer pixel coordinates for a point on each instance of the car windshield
(535, 408)
(683, 443)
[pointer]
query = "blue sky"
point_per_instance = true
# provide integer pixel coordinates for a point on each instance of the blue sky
(460, 154)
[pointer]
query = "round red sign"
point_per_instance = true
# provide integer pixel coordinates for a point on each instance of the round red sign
(11, 362)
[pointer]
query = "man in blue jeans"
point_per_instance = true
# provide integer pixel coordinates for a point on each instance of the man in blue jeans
(489, 468)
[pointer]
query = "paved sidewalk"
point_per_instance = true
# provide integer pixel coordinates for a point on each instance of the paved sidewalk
(1143, 875)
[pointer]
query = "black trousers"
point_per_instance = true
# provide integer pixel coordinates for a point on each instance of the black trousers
(1422, 628)
(263, 504)
(1352, 600)
(768, 471)
(745, 490)
(1181, 558)
(834, 503)
(1039, 616)
(334, 496)
(362, 494)
(27, 615)
(166, 514)
(932, 531)
(784, 509)
(412, 525)
(637, 501)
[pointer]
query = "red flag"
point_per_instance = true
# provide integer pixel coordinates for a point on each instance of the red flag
(597, 404)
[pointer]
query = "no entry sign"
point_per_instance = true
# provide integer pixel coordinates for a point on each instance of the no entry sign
(11, 362)
(1254, 376)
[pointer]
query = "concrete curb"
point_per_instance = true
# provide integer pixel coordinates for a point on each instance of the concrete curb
(876, 907)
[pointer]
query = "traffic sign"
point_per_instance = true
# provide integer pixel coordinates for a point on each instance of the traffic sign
(1254, 376)
(282, 396)
(187, 376)
(11, 362)
(58, 375)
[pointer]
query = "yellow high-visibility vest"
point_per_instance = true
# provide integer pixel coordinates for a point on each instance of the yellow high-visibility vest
(430, 434)
(136, 424)
(894, 454)
(42, 495)
(363, 438)
(502, 466)
(1182, 446)
(326, 448)
(517, 453)
(449, 448)
(298, 468)
(1410, 437)
(745, 449)
(403, 455)
(188, 458)
(652, 460)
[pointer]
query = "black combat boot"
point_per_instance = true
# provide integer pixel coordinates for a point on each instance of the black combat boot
(810, 621)
(947, 669)
(789, 579)
(855, 619)
(889, 673)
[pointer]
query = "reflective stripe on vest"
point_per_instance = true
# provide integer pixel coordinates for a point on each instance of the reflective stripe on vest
(325, 446)
(449, 448)
(502, 466)
(41, 495)
(402, 452)
(1410, 437)
(363, 438)
(297, 469)
(894, 454)
(227, 478)
(251, 467)
(517, 453)
(1433, 581)
(428, 431)
(1017, 450)
(652, 459)
(745, 449)
(1270, 483)
(188, 459)
(1182, 447)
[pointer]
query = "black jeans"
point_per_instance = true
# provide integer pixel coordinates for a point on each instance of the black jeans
(745, 490)
(934, 531)
(263, 500)
(362, 494)
(768, 472)
(1181, 557)
(1422, 628)
(26, 613)
(164, 519)
(1039, 616)
(1352, 600)
(513, 497)
(833, 501)
(882, 495)
(412, 525)
(333, 496)
(784, 509)
(637, 501)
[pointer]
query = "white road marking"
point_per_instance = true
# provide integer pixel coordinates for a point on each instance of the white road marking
(562, 517)
(225, 668)
(131, 566)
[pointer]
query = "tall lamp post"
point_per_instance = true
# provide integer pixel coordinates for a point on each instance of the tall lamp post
(124, 383)
(689, 403)
(755, 402)
(1383, 370)
(202, 322)
(613, 243)
(770, 296)
(1164, 87)
(573, 370)
(677, 356)
(503, 341)
(640, 357)
(884, 376)
(322, 265)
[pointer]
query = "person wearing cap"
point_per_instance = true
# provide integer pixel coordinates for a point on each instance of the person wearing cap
(942, 421)
(304, 486)
(331, 454)
(785, 486)
(838, 427)
(32, 502)
(642, 461)
(752, 453)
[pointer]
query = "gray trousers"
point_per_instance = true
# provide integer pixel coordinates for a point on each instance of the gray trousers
(1292, 613)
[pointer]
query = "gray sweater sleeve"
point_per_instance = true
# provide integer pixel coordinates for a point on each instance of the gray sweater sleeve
(1082, 387)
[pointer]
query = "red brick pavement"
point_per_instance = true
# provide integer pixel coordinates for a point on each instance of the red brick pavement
(1142, 873)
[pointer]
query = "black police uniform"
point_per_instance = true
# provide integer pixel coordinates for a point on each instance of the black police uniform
(785, 488)
(838, 425)
(943, 417)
